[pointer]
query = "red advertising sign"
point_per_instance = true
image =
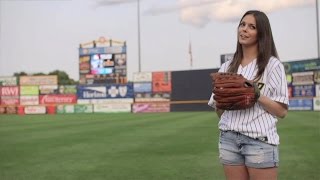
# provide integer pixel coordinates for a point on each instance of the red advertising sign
(161, 81)
(58, 99)
(9, 91)
(10, 100)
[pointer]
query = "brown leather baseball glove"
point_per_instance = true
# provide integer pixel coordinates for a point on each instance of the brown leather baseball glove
(234, 92)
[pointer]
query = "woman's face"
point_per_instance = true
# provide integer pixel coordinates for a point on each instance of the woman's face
(247, 31)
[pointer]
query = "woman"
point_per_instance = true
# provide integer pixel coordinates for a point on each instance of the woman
(248, 143)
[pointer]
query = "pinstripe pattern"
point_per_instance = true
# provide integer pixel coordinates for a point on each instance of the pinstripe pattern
(256, 122)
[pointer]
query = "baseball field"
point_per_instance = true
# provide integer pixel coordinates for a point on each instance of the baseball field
(155, 146)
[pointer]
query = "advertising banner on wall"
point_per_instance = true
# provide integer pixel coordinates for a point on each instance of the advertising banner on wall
(289, 79)
(142, 87)
(83, 108)
(58, 99)
(289, 91)
(48, 89)
(150, 107)
(103, 50)
(151, 97)
(161, 82)
(105, 101)
(142, 77)
(317, 89)
(303, 91)
(301, 104)
(29, 100)
(316, 103)
(67, 89)
(29, 90)
(63, 109)
(10, 100)
(302, 78)
(317, 77)
(11, 110)
(35, 110)
(38, 80)
(302, 66)
(9, 91)
(103, 92)
(111, 108)
(8, 81)
(92, 92)
(2, 110)
(84, 64)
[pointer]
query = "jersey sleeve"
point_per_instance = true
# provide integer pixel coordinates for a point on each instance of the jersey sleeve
(278, 84)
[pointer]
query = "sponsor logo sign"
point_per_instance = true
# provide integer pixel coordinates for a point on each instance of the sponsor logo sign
(10, 91)
(35, 109)
(29, 100)
(83, 108)
(149, 97)
(142, 77)
(316, 103)
(10, 100)
(301, 104)
(317, 89)
(142, 87)
(302, 78)
(8, 81)
(161, 82)
(150, 107)
(303, 91)
(102, 50)
(58, 99)
(29, 90)
(39, 80)
(48, 89)
(112, 108)
(104, 92)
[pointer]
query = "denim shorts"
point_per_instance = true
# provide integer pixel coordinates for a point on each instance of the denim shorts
(238, 149)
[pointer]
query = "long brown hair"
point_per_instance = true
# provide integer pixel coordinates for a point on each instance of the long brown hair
(266, 46)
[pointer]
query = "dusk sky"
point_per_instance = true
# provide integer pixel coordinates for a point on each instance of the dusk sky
(44, 35)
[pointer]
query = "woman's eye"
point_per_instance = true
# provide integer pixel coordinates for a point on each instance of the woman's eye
(252, 27)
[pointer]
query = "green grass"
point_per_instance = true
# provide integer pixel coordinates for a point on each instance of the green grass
(163, 146)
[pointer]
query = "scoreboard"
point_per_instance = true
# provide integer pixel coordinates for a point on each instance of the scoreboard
(103, 64)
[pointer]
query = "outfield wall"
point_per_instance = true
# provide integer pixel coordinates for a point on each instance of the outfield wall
(149, 92)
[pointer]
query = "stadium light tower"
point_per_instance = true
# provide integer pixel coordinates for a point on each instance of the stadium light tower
(139, 43)
(317, 19)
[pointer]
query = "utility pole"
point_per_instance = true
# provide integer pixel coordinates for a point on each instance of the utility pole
(139, 44)
(317, 19)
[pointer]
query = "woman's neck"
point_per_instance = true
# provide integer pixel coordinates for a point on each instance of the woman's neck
(249, 54)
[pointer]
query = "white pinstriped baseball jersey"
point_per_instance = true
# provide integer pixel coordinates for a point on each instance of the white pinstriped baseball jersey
(256, 122)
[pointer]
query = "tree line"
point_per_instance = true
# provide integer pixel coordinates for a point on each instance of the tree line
(63, 77)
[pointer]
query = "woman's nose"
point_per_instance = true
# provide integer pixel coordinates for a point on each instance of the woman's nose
(244, 28)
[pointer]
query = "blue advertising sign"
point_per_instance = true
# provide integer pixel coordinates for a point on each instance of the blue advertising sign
(92, 92)
(105, 92)
(120, 90)
(303, 91)
(102, 50)
(142, 87)
(301, 104)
